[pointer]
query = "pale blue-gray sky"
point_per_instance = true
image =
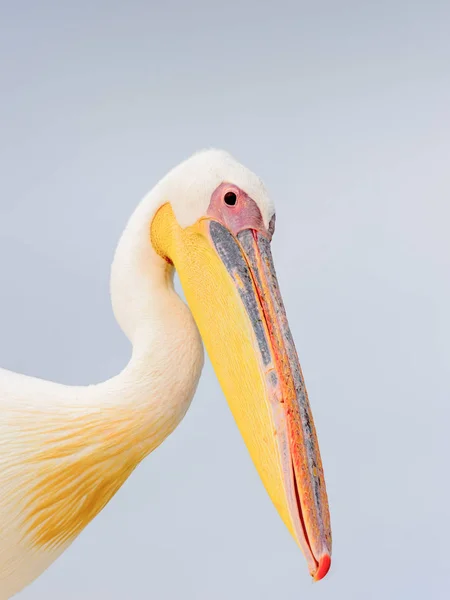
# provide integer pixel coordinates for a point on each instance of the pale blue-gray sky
(343, 109)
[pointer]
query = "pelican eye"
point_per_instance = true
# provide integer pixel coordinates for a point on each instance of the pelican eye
(230, 198)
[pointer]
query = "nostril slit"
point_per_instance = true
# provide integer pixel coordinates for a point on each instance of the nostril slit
(230, 198)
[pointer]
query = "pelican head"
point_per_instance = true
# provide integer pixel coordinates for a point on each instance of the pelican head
(212, 220)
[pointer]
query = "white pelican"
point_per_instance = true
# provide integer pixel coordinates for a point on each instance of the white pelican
(65, 451)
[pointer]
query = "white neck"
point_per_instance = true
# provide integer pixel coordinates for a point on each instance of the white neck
(167, 357)
(167, 351)
(153, 392)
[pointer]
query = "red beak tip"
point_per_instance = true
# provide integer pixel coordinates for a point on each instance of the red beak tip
(323, 568)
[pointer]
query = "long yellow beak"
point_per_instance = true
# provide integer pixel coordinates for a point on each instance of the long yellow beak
(231, 287)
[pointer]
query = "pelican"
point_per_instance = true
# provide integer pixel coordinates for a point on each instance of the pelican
(65, 451)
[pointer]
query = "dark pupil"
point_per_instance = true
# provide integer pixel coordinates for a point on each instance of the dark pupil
(230, 198)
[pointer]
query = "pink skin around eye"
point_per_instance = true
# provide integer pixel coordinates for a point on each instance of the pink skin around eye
(244, 214)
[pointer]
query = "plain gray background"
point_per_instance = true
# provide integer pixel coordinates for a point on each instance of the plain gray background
(343, 109)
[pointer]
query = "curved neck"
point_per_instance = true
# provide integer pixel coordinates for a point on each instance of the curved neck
(167, 351)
